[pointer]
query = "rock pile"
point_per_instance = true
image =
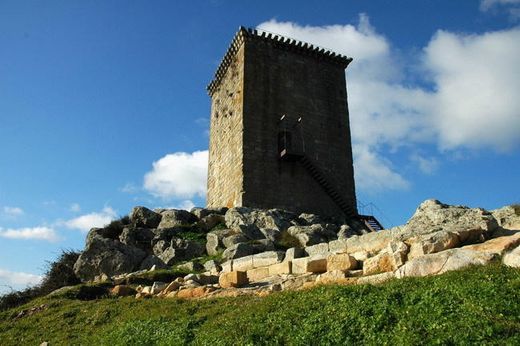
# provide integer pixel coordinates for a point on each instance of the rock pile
(266, 251)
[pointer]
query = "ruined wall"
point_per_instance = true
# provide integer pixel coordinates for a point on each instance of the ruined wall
(225, 178)
(280, 81)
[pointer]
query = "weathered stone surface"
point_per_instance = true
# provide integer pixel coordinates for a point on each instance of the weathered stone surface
(190, 266)
(338, 246)
(375, 279)
(178, 250)
(512, 259)
(173, 217)
(274, 219)
(206, 279)
(233, 279)
(234, 239)
(203, 212)
(107, 256)
(138, 237)
(508, 217)
(284, 267)
(311, 235)
(332, 276)
(243, 263)
(209, 221)
(194, 292)
(227, 266)
(144, 217)
(309, 265)
(214, 241)
(372, 242)
(171, 287)
(432, 216)
(388, 260)
(306, 219)
(441, 262)
(294, 252)
(212, 266)
(152, 261)
(431, 243)
(318, 249)
(157, 287)
(102, 233)
(341, 262)
(257, 274)
(267, 258)
(297, 282)
(122, 291)
(241, 250)
(345, 232)
(498, 245)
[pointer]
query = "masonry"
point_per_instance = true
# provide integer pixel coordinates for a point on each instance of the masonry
(280, 134)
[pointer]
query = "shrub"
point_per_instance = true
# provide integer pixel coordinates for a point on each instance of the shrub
(59, 273)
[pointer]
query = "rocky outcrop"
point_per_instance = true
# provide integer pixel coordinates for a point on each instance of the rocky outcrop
(107, 256)
(275, 249)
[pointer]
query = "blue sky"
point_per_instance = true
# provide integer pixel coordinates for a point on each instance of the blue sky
(103, 107)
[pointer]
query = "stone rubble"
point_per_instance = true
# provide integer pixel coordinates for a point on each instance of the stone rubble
(438, 238)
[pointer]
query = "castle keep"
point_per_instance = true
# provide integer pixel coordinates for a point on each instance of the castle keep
(280, 134)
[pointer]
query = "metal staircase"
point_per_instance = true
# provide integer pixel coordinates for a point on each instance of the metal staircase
(371, 223)
(345, 207)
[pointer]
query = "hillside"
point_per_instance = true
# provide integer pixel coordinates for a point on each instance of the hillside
(473, 306)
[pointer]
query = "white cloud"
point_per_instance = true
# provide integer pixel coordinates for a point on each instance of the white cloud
(178, 175)
(38, 233)
(75, 207)
(477, 80)
(374, 173)
(10, 278)
(426, 165)
(472, 103)
(85, 222)
(13, 211)
(17, 280)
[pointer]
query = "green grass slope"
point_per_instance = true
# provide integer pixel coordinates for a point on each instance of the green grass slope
(480, 305)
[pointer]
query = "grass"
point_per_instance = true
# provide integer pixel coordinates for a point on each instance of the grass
(480, 305)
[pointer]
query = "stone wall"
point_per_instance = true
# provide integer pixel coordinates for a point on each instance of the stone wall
(225, 172)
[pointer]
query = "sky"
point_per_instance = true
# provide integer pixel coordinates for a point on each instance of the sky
(103, 107)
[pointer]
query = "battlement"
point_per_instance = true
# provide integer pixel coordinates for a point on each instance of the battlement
(278, 41)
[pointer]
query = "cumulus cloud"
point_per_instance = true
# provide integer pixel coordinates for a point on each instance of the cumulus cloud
(178, 175)
(461, 94)
(37, 233)
(13, 211)
(477, 80)
(18, 280)
(97, 219)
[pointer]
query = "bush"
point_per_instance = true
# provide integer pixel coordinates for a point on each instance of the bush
(115, 227)
(59, 273)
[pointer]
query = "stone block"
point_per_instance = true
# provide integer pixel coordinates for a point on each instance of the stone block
(267, 258)
(299, 265)
(281, 268)
(317, 265)
(257, 273)
(317, 249)
(233, 279)
(338, 246)
(294, 252)
(341, 262)
(227, 266)
(243, 263)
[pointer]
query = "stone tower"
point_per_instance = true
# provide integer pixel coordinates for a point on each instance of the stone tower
(280, 134)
